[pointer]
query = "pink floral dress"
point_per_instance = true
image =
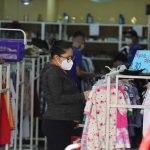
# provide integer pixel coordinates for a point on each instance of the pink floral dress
(93, 137)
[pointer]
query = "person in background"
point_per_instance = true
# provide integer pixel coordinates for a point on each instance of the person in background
(119, 59)
(131, 39)
(64, 102)
(77, 73)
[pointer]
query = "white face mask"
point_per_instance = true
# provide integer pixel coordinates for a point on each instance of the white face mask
(65, 65)
(128, 41)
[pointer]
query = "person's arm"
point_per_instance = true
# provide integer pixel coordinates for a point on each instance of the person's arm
(55, 92)
(82, 73)
(78, 61)
(135, 48)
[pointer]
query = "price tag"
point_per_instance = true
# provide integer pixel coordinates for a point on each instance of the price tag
(141, 61)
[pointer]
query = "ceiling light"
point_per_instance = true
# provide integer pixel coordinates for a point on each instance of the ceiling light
(100, 1)
(26, 2)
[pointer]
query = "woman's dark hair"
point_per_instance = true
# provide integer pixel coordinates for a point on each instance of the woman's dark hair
(59, 47)
(120, 57)
(132, 32)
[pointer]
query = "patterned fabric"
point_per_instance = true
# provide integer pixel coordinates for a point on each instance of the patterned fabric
(122, 138)
(93, 137)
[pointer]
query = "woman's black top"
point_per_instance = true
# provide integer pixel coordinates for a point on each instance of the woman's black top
(64, 102)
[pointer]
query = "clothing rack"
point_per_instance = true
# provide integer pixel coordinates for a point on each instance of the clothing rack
(108, 79)
(17, 67)
(14, 67)
(36, 65)
(19, 83)
(42, 60)
(16, 30)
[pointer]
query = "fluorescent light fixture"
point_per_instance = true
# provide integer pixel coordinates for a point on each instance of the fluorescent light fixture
(26, 2)
(100, 1)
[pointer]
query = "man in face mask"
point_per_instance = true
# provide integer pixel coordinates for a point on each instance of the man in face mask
(77, 72)
(131, 39)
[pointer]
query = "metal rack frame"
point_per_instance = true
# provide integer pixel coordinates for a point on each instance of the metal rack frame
(117, 105)
(19, 82)
(35, 75)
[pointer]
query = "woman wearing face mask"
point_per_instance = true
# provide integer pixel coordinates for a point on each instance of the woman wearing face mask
(131, 39)
(64, 102)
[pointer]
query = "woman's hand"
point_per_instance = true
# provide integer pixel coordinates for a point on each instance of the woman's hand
(86, 94)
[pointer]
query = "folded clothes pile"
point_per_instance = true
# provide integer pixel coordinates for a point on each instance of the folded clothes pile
(34, 51)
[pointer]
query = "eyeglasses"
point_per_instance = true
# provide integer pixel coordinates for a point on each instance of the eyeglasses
(68, 58)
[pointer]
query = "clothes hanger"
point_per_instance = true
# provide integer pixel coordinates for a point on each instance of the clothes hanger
(115, 71)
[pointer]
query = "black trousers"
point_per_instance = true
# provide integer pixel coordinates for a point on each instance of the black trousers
(58, 133)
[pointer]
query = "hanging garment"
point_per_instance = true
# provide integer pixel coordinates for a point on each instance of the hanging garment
(36, 101)
(27, 93)
(94, 132)
(146, 116)
(9, 109)
(135, 119)
(0, 109)
(14, 79)
(122, 138)
(4, 122)
(128, 102)
(26, 127)
(27, 105)
(11, 119)
(13, 104)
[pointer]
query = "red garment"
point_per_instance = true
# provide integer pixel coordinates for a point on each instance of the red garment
(75, 138)
(4, 122)
(11, 119)
(9, 109)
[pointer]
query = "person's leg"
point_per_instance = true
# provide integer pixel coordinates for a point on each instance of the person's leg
(58, 133)
(66, 132)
